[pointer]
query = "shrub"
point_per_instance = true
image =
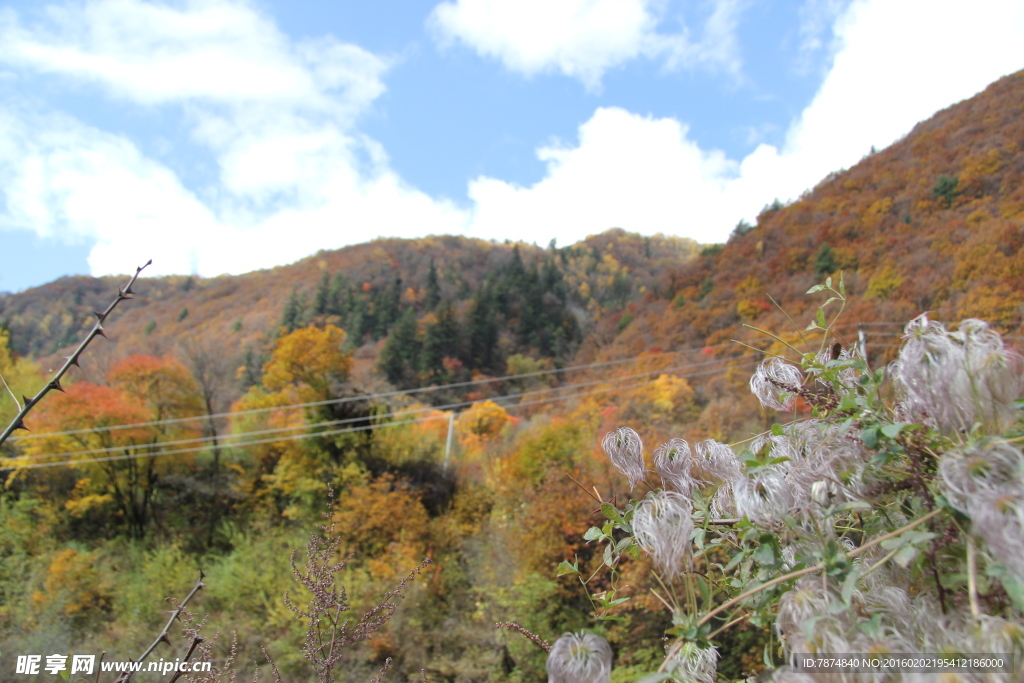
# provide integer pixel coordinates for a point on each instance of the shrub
(888, 521)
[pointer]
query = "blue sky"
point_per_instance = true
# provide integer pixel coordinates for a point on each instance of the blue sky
(223, 135)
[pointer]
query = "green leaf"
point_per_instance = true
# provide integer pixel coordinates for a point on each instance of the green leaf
(1014, 589)
(869, 435)
(815, 288)
(893, 430)
(765, 556)
(853, 505)
(821, 319)
(849, 585)
(777, 430)
(842, 286)
(905, 556)
(736, 559)
(609, 511)
(566, 568)
(702, 588)
(828, 282)
(593, 534)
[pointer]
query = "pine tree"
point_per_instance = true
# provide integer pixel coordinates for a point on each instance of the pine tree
(387, 308)
(440, 341)
(294, 311)
(483, 331)
(398, 359)
(433, 287)
(824, 262)
(322, 300)
(341, 298)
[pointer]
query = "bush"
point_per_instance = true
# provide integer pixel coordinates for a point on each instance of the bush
(886, 519)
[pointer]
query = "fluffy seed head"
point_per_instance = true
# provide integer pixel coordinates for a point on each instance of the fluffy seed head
(774, 382)
(626, 451)
(956, 379)
(582, 657)
(673, 462)
(717, 461)
(663, 524)
(694, 664)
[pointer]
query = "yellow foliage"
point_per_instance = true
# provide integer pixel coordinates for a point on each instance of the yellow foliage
(83, 500)
(877, 211)
(976, 218)
(21, 375)
(309, 358)
(981, 165)
(749, 286)
(484, 419)
(1000, 304)
(385, 525)
(883, 283)
(73, 580)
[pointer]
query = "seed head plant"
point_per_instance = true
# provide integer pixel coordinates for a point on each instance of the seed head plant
(582, 657)
(886, 517)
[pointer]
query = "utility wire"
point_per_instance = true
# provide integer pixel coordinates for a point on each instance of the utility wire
(348, 430)
(222, 438)
(369, 397)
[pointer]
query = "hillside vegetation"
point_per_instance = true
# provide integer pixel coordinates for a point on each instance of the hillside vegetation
(526, 356)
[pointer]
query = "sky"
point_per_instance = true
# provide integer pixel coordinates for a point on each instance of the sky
(223, 136)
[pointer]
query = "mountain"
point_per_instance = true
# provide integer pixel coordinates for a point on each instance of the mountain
(932, 223)
(541, 301)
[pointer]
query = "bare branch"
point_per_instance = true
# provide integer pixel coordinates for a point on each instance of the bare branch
(54, 384)
(162, 638)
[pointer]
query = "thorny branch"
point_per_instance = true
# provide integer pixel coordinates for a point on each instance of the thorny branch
(126, 675)
(54, 384)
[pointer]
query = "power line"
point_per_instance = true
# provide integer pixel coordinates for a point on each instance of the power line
(367, 397)
(297, 437)
(379, 416)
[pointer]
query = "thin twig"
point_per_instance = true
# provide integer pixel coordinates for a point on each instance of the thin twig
(54, 384)
(794, 575)
(10, 392)
(195, 642)
(537, 640)
(584, 489)
(126, 675)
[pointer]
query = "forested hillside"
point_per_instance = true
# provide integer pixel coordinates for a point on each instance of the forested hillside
(453, 394)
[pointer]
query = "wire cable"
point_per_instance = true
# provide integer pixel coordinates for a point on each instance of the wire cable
(296, 437)
(367, 397)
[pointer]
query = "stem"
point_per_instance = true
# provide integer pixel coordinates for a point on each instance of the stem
(731, 623)
(794, 575)
(972, 577)
(878, 564)
(791, 321)
(908, 527)
(126, 675)
(781, 341)
(54, 384)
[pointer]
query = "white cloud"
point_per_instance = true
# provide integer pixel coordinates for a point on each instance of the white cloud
(627, 171)
(583, 38)
(897, 62)
(277, 117)
(214, 52)
(294, 173)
